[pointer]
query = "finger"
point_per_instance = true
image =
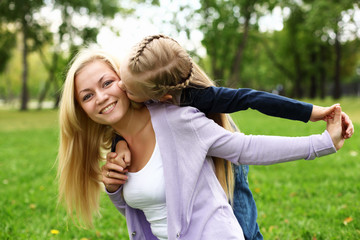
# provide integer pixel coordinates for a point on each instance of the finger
(114, 178)
(120, 161)
(113, 167)
(110, 156)
(117, 176)
(127, 158)
(330, 110)
(337, 115)
(348, 125)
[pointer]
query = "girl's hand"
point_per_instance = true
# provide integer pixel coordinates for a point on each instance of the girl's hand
(324, 113)
(114, 172)
(123, 157)
(334, 127)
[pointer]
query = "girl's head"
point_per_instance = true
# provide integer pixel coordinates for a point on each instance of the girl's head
(83, 129)
(158, 66)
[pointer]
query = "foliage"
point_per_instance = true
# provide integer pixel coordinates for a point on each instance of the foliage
(7, 42)
(304, 56)
(314, 53)
(25, 17)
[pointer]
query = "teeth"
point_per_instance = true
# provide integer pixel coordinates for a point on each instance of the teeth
(108, 108)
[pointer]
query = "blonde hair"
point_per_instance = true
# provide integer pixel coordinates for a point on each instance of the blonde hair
(81, 143)
(161, 66)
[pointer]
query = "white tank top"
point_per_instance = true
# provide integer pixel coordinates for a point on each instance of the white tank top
(145, 190)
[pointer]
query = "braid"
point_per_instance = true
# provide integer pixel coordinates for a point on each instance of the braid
(142, 45)
(183, 84)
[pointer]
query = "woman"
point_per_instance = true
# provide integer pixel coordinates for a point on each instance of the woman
(174, 141)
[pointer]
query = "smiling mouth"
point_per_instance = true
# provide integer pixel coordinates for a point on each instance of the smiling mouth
(108, 108)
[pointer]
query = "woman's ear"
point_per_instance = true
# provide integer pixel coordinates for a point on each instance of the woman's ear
(166, 98)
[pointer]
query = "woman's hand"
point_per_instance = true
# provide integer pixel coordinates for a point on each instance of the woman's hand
(324, 113)
(334, 127)
(115, 169)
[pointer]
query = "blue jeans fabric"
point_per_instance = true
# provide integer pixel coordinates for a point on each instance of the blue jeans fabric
(244, 204)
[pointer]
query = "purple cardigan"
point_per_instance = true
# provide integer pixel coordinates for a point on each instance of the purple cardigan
(197, 206)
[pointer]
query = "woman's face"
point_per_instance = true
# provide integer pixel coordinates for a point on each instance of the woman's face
(98, 94)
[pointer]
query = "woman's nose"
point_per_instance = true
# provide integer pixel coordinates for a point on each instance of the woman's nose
(101, 97)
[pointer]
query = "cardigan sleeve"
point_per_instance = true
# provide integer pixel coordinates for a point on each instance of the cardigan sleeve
(256, 150)
(117, 199)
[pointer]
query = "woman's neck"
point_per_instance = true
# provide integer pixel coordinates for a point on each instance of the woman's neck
(133, 122)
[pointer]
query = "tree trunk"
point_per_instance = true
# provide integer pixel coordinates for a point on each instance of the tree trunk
(235, 69)
(51, 78)
(276, 63)
(337, 86)
(298, 91)
(322, 72)
(24, 91)
(57, 96)
(313, 76)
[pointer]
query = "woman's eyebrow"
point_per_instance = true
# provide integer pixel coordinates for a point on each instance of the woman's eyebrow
(88, 89)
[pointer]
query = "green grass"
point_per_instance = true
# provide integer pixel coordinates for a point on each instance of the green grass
(298, 200)
(28, 189)
(307, 199)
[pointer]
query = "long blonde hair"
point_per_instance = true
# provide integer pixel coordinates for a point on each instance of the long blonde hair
(161, 66)
(81, 142)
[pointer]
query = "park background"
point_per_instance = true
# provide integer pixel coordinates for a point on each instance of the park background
(307, 50)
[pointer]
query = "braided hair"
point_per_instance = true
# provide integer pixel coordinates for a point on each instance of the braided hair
(162, 65)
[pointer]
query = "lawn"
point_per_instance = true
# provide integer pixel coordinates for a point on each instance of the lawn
(299, 200)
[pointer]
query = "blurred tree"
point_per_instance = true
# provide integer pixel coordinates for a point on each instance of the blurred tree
(26, 17)
(226, 27)
(71, 34)
(304, 52)
(20, 16)
(7, 42)
(326, 18)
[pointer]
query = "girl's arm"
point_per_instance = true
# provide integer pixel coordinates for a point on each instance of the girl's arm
(227, 100)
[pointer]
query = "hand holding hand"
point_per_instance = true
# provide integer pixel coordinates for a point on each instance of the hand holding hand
(347, 125)
(334, 128)
(115, 169)
(324, 113)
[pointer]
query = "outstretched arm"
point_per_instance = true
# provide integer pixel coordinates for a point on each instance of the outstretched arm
(228, 100)
(264, 150)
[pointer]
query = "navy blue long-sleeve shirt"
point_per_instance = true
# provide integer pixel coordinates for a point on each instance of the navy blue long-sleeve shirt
(227, 100)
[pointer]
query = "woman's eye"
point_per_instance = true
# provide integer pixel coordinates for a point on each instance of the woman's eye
(107, 83)
(86, 97)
